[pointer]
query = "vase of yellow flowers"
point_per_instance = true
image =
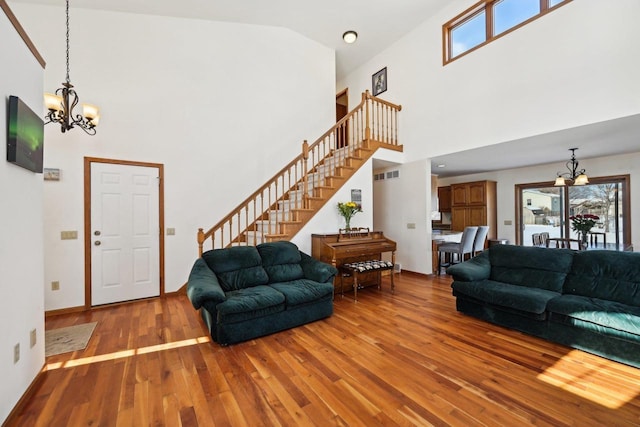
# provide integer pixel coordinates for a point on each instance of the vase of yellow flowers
(582, 224)
(348, 210)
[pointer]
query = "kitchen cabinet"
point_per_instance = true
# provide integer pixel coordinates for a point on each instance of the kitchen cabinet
(444, 199)
(472, 204)
(470, 193)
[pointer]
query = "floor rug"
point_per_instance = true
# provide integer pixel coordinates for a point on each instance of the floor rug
(71, 338)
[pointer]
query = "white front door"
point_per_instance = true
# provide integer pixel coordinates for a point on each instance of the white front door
(125, 233)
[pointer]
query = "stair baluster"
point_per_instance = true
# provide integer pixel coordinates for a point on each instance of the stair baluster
(303, 186)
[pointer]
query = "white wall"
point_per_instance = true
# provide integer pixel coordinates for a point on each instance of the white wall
(400, 210)
(569, 68)
(223, 106)
(329, 221)
(21, 219)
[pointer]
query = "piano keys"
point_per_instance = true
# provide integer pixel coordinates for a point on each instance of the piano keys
(338, 249)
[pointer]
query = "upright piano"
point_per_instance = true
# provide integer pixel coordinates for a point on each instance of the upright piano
(338, 249)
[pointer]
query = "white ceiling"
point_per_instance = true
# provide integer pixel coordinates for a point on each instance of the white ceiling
(379, 23)
(601, 139)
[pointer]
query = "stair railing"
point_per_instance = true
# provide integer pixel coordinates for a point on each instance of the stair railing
(261, 216)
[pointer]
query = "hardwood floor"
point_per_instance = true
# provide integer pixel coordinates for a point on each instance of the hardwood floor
(390, 359)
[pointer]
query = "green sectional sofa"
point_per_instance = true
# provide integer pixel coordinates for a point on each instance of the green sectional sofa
(589, 300)
(245, 292)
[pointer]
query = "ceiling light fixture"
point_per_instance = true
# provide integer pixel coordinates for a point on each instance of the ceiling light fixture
(350, 36)
(62, 103)
(578, 176)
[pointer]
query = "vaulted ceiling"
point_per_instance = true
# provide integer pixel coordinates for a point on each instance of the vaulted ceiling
(379, 23)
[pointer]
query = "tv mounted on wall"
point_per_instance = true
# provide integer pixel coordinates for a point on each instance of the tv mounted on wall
(25, 136)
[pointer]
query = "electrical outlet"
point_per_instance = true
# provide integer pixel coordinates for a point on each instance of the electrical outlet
(32, 338)
(411, 226)
(171, 231)
(16, 353)
(55, 285)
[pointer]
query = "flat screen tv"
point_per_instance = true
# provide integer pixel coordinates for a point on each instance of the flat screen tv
(25, 136)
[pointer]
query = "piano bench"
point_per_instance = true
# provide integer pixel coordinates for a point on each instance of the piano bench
(354, 268)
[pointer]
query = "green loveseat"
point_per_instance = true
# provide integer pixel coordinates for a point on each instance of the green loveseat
(245, 292)
(589, 300)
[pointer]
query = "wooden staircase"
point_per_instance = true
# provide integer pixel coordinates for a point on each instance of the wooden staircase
(285, 203)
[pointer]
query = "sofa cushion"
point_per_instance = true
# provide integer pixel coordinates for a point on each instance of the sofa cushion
(281, 261)
(530, 266)
(303, 291)
(250, 303)
(237, 267)
(531, 300)
(596, 314)
(607, 275)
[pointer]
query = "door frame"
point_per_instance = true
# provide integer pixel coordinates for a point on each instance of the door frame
(87, 220)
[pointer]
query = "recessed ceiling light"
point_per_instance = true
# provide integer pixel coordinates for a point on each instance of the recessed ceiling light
(350, 36)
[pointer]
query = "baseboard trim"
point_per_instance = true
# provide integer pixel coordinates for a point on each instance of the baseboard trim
(181, 291)
(26, 398)
(413, 273)
(64, 311)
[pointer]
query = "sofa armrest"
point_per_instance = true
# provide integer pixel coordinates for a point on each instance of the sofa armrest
(203, 285)
(317, 270)
(477, 268)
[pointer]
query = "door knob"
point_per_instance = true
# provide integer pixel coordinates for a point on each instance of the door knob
(97, 243)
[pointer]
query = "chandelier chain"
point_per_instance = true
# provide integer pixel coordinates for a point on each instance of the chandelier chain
(68, 80)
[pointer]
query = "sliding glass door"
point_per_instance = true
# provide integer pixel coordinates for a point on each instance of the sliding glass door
(543, 208)
(541, 211)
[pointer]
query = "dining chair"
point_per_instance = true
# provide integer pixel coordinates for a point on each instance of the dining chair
(544, 236)
(459, 249)
(593, 238)
(479, 240)
(564, 243)
(536, 239)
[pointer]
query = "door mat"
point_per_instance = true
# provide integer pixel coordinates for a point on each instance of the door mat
(71, 338)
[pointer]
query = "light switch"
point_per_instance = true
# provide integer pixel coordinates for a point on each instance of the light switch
(411, 225)
(69, 235)
(171, 231)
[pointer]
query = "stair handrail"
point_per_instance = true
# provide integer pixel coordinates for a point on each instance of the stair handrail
(366, 103)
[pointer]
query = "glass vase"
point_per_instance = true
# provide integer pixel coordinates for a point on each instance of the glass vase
(584, 239)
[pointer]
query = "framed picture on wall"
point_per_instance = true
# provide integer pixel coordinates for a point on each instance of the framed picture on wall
(379, 82)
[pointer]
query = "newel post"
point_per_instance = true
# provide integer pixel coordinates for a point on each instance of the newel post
(367, 129)
(200, 240)
(305, 157)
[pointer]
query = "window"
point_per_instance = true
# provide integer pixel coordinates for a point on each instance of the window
(542, 207)
(509, 13)
(488, 20)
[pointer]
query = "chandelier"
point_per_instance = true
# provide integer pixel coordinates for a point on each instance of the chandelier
(578, 176)
(62, 103)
